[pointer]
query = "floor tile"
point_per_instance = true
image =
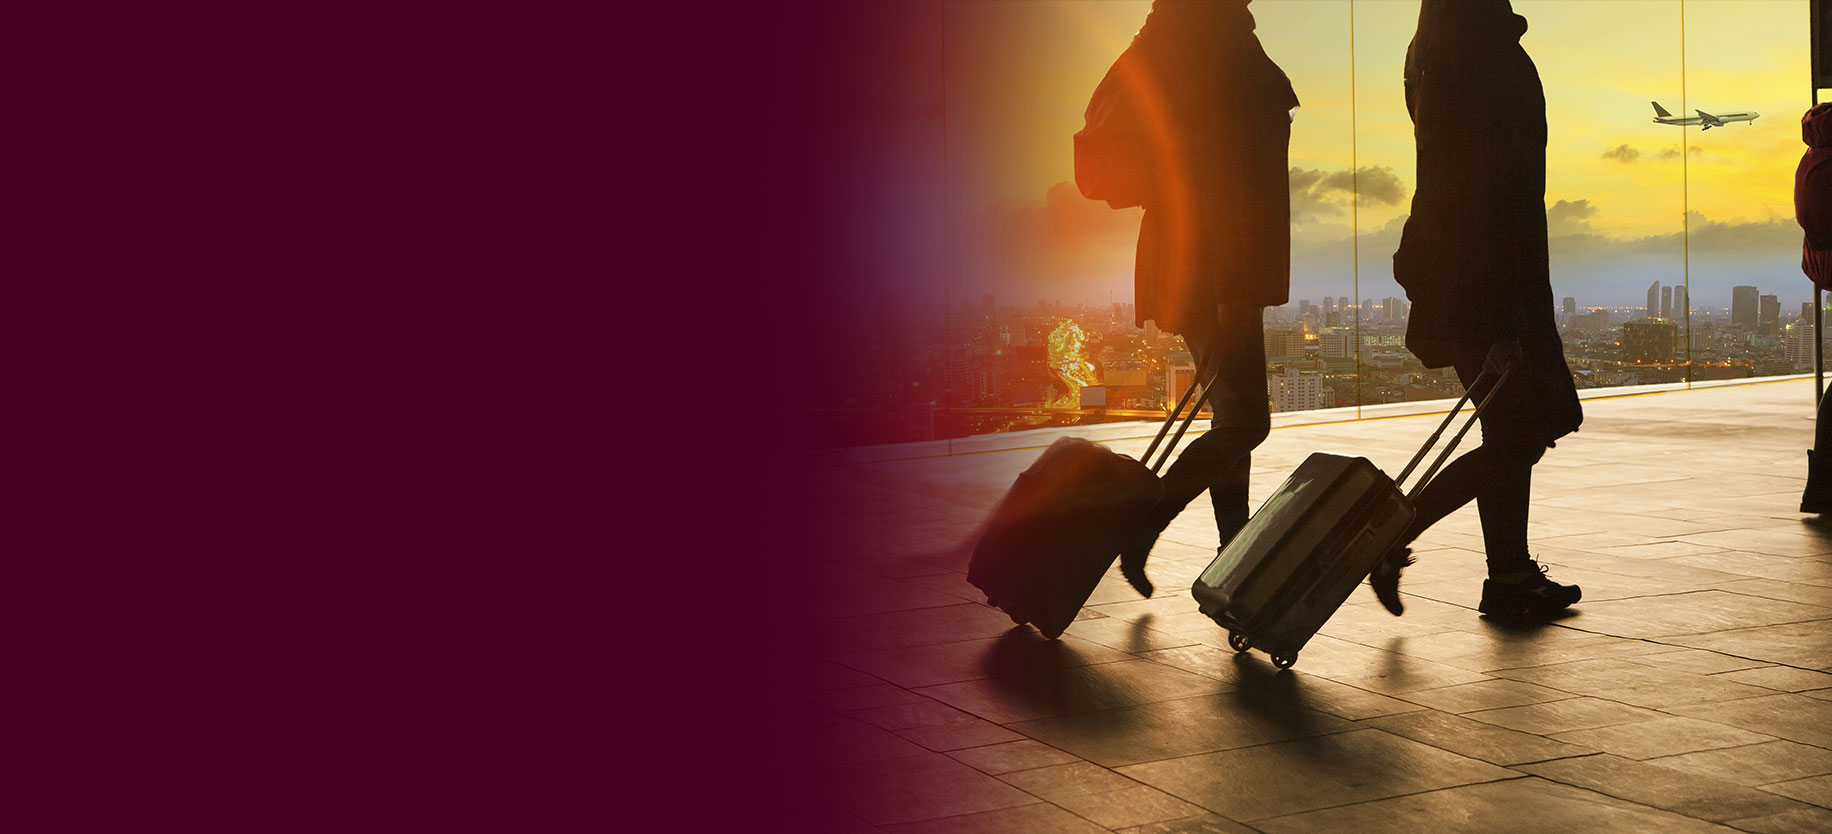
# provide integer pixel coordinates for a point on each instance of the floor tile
(1013, 755)
(1069, 780)
(1696, 661)
(1290, 777)
(1815, 789)
(1560, 716)
(1755, 764)
(1244, 671)
(1182, 727)
(1129, 807)
(1782, 678)
(1489, 694)
(1793, 717)
(973, 732)
(1205, 824)
(1066, 691)
(1660, 787)
(1691, 613)
(1634, 684)
(1475, 739)
(1809, 821)
(1516, 806)
(1661, 737)
(1806, 645)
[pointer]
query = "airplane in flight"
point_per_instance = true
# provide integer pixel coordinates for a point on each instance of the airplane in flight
(1661, 116)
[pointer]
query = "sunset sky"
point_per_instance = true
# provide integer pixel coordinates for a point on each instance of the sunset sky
(1018, 74)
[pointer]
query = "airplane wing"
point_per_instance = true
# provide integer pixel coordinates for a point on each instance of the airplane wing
(1706, 116)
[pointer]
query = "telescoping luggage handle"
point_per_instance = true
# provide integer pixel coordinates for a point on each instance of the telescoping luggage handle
(1442, 456)
(1162, 430)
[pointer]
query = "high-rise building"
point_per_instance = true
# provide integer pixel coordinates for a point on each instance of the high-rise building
(1287, 344)
(1570, 306)
(1679, 302)
(1342, 304)
(1293, 391)
(1336, 345)
(1177, 378)
(1392, 305)
(1666, 302)
(1329, 305)
(1743, 301)
(1770, 322)
(1649, 341)
(1654, 300)
(1303, 307)
(1799, 345)
(1595, 321)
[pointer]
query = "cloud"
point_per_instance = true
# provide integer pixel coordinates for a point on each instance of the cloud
(1622, 153)
(1628, 154)
(1570, 217)
(1063, 247)
(1318, 194)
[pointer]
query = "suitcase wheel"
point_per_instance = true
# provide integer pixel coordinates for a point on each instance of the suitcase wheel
(1284, 661)
(1237, 640)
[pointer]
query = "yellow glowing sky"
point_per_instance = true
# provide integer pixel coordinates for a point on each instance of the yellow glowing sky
(1019, 73)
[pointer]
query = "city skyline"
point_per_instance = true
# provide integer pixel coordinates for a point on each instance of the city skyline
(1628, 201)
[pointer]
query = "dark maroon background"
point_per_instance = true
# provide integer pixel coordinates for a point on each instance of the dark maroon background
(400, 401)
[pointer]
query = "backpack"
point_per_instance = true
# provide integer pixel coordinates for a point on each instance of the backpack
(1113, 154)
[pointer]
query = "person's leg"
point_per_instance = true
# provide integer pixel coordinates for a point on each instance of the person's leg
(1817, 497)
(1503, 502)
(1517, 586)
(1218, 460)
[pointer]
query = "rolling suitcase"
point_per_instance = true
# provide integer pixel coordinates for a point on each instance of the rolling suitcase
(1317, 536)
(1061, 525)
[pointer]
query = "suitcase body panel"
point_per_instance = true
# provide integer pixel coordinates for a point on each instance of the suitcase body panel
(1057, 531)
(1301, 555)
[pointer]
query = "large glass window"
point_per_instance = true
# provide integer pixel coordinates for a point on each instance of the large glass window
(1672, 141)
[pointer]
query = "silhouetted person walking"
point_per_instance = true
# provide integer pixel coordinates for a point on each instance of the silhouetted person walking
(1473, 261)
(1813, 210)
(1215, 244)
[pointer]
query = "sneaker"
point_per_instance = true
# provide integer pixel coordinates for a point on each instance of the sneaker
(1530, 595)
(1385, 579)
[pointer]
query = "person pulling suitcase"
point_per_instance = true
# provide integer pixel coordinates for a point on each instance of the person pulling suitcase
(1473, 260)
(1194, 123)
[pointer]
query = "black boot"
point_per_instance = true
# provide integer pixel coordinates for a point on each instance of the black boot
(1138, 546)
(1817, 498)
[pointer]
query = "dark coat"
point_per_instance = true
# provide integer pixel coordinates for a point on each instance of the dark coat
(1473, 254)
(1217, 227)
(1813, 195)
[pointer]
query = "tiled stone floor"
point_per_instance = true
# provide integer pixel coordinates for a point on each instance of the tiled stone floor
(1691, 690)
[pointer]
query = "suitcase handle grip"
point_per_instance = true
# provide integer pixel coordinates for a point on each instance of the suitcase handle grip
(1445, 455)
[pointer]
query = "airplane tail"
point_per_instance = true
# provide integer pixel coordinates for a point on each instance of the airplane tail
(1660, 111)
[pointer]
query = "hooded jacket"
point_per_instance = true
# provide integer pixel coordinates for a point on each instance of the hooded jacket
(1813, 195)
(1218, 226)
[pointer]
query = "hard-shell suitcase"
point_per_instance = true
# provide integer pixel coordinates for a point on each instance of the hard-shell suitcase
(1061, 525)
(1317, 537)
